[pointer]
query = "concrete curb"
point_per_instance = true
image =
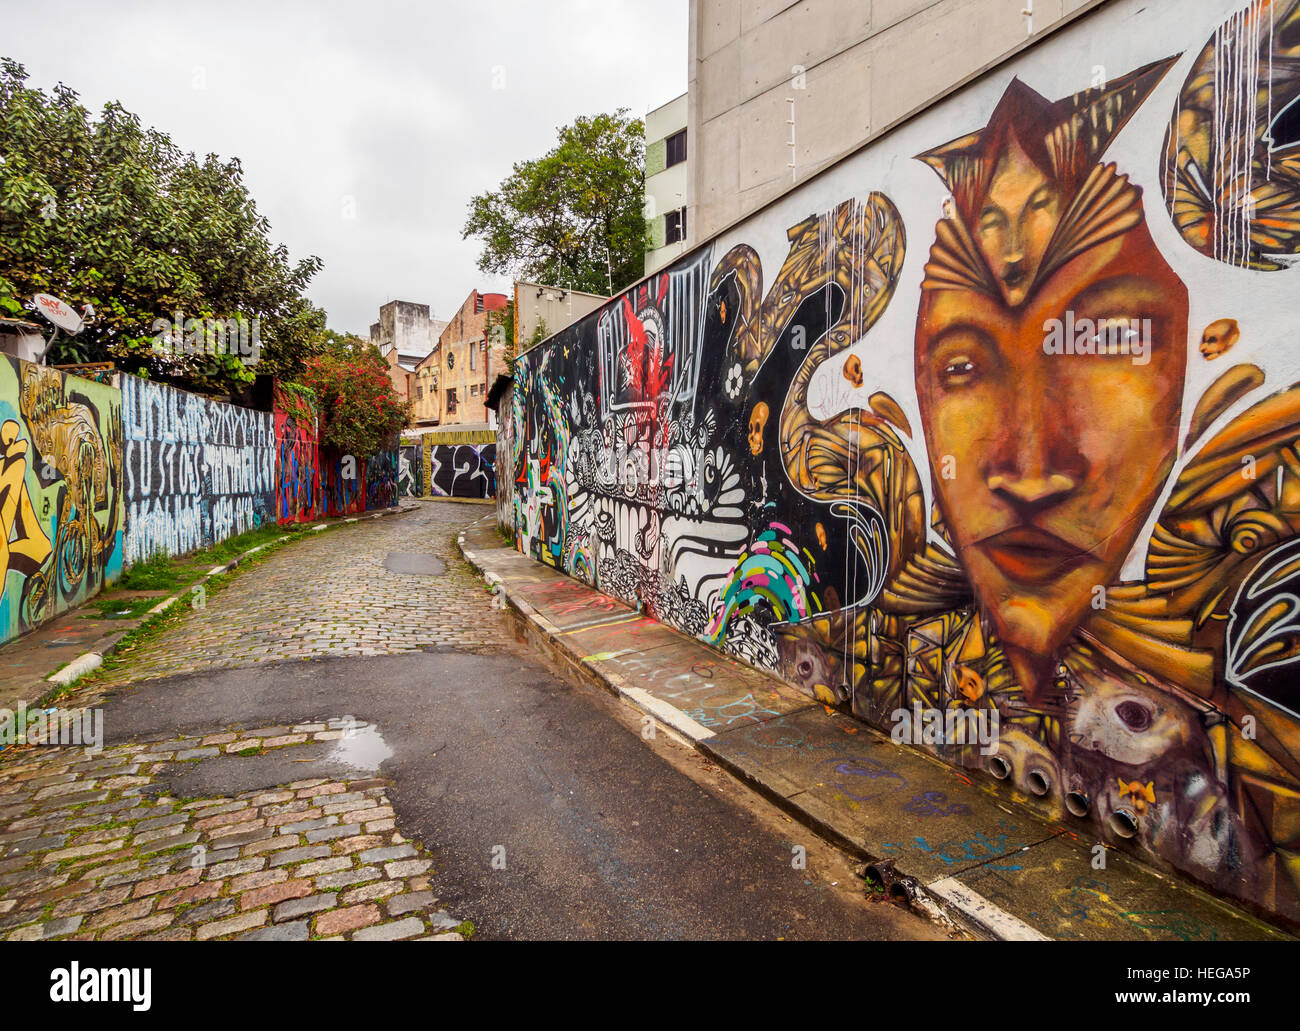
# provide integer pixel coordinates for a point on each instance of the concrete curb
(94, 658)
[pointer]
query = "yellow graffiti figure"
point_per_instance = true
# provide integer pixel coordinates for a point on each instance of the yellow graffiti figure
(1142, 794)
(23, 544)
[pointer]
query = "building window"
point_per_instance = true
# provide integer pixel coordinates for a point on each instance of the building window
(676, 145)
(419, 393)
(675, 226)
(472, 365)
(451, 359)
(451, 401)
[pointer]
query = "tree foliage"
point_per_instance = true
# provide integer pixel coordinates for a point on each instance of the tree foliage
(359, 410)
(109, 213)
(573, 217)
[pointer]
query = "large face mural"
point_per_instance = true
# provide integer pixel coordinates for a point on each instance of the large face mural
(1044, 466)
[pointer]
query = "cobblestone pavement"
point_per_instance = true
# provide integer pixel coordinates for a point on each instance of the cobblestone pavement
(90, 851)
(332, 596)
(92, 848)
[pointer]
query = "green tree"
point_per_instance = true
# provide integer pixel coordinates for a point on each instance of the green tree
(108, 213)
(573, 217)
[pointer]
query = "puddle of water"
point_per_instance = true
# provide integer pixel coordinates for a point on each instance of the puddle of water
(363, 749)
(414, 564)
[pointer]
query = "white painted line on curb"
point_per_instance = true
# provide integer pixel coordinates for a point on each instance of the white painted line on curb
(163, 605)
(668, 714)
(983, 913)
(546, 625)
(215, 570)
(75, 669)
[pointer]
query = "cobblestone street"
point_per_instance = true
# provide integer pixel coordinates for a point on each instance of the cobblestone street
(332, 596)
(92, 849)
(90, 853)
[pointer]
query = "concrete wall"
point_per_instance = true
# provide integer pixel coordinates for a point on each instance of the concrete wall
(196, 471)
(866, 63)
(866, 439)
(61, 512)
(551, 308)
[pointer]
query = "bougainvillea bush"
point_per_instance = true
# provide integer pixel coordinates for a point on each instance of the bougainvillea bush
(360, 412)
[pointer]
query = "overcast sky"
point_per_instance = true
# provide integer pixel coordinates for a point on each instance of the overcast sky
(385, 109)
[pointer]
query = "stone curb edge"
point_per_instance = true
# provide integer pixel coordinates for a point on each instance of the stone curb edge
(973, 910)
(87, 661)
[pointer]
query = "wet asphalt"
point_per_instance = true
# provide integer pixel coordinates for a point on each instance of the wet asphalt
(548, 815)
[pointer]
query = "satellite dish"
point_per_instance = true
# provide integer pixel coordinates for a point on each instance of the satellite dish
(58, 313)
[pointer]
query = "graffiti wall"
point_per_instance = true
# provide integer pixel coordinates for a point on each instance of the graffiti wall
(381, 477)
(343, 482)
(507, 448)
(994, 417)
(298, 495)
(61, 513)
(410, 470)
(195, 471)
(460, 465)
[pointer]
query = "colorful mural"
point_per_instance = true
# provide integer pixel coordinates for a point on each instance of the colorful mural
(298, 495)
(196, 471)
(61, 513)
(381, 483)
(1043, 470)
(507, 443)
(343, 482)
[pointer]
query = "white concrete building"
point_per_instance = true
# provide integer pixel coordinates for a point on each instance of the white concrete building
(667, 160)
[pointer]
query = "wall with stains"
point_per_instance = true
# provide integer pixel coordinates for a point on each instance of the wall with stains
(995, 417)
(195, 471)
(61, 512)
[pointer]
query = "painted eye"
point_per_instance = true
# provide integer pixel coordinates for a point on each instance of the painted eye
(958, 372)
(1134, 715)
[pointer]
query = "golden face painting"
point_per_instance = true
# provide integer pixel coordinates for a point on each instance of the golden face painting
(1043, 474)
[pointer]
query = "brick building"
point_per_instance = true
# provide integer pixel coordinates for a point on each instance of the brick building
(462, 366)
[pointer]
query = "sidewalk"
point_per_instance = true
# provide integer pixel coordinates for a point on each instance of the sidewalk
(925, 827)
